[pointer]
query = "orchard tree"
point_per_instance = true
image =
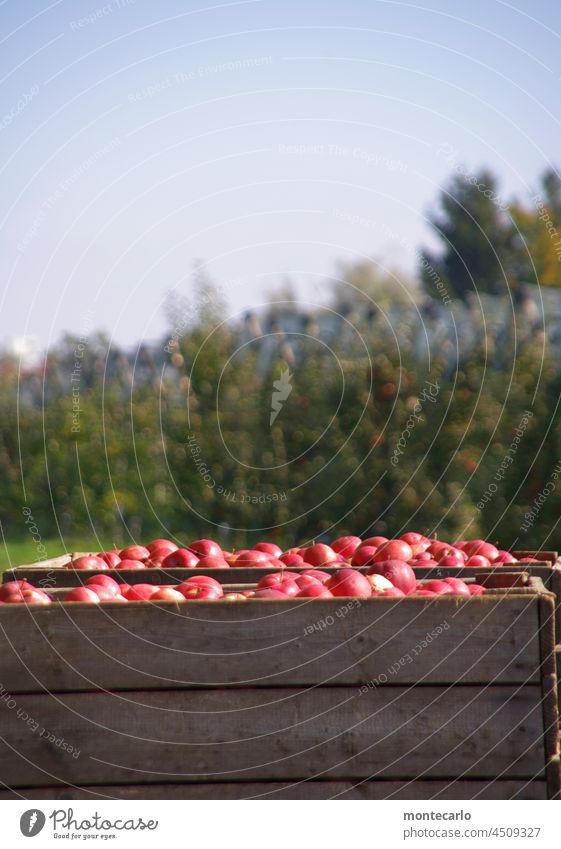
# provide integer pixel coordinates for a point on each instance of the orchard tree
(478, 245)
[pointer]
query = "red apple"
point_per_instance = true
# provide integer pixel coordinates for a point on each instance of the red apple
(349, 583)
(268, 548)
(476, 589)
(181, 558)
(28, 596)
(412, 538)
(421, 557)
(292, 559)
(459, 586)
(319, 555)
(504, 557)
(134, 552)
(102, 593)
(375, 542)
(140, 592)
(111, 558)
(130, 564)
(83, 594)
(250, 558)
(193, 592)
(272, 563)
(234, 597)
(398, 573)
(205, 548)
(304, 581)
(451, 561)
(425, 593)
(477, 561)
(11, 587)
(167, 594)
(317, 573)
(481, 548)
(364, 556)
(201, 581)
(437, 547)
(315, 591)
(104, 581)
(276, 578)
(161, 553)
(420, 547)
(390, 592)
(158, 544)
(394, 549)
(346, 546)
(211, 562)
(288, 588)
(154, 563)
(88, 561)
(425, 564)
(437, 587)
(269, 592)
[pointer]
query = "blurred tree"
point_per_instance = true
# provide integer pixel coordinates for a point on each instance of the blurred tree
(539, 238)
(479, 252)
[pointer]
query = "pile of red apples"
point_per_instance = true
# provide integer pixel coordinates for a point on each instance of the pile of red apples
(412, 548)
(391, 578)
(359, 568)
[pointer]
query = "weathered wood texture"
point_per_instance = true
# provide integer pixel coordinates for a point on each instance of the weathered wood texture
(492, 638)
(279, 734)
(303, 790)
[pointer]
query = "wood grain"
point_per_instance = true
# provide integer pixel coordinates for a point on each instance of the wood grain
(254, 735)
(493, 638)
(303, 790)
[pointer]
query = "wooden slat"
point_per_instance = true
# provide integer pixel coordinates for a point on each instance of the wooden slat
(304, 790)
(492, 638)
(48, 577)
(326, 732)
(53, 578)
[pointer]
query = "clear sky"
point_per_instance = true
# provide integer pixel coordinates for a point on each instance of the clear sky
(267, 137)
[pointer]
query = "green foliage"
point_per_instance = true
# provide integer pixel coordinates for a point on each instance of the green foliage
(478, 239)
(184, 444)
(488, 246)
(361, 443)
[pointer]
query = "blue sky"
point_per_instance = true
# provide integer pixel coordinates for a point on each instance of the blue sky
(268, 138)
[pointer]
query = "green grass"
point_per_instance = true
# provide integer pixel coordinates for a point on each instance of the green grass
(24, 551)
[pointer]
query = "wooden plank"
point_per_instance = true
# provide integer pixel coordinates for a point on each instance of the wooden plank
(63, 577)
(445, 640)
(303, 790)
(558, 671)
(249, 735)
(53, 578)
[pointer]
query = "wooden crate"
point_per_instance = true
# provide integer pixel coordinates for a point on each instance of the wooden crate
(444, 697)
(54, 574)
